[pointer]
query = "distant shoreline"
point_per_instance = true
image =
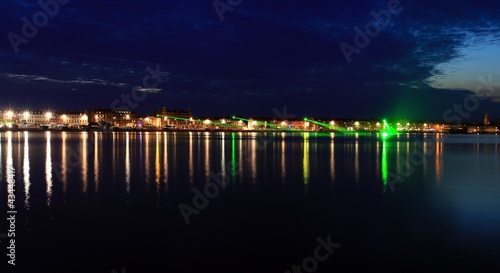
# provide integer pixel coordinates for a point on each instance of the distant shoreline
(231, 131)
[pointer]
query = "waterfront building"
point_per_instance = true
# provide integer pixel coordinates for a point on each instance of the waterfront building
(118, 118)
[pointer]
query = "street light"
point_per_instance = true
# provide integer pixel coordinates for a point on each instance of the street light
(48, 115)
(10, 114)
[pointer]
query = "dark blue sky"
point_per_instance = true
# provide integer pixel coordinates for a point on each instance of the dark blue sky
(263, 55)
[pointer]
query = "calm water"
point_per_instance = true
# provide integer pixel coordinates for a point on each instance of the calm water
(94, 202)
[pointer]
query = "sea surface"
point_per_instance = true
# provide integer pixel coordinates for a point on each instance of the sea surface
(250, 202)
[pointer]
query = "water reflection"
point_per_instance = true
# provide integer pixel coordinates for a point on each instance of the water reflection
(233, 157)
(191, 158)
(48, 170)
(165, 159)
(207, 157)
(97, 158)
(240, 158)
(332, 157)
(127, 162)
(439, 158)
(253, 158)
(84, 162)
(384, 164)
(305, 159)
(26, 172)
(146, 158)
(356, 159)
(10, 172)
(283, 158)
(223, 157)
(1, 156)
(157, 164)
(64, 163)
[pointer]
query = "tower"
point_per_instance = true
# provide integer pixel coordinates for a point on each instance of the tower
(486, 119)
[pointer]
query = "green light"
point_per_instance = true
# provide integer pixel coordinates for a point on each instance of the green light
(233, 156)
(385, 135)
(384, 164)
(305, 118)
(233, 117)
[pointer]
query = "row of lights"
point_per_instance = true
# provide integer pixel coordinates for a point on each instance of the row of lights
(48, 115)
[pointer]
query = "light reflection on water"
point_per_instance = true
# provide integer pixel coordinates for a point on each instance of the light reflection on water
(135, 161)
(48, 170)
(26, 172)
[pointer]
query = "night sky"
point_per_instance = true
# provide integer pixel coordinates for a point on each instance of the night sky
(262, 55)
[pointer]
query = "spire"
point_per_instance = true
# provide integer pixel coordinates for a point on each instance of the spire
(486, 119)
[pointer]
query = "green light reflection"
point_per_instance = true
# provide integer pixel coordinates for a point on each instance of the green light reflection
(384, 163)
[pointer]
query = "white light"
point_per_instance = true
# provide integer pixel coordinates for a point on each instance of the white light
(26, 114)
(48, 115)
(223, 121)
(283, 123)
(332, 122)
(207, 121)
(10, 114)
